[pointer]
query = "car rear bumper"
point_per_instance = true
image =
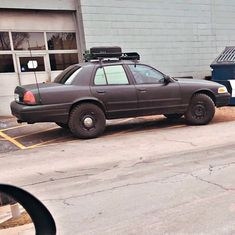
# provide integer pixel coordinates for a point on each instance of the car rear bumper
(40, 113)
(223, 100)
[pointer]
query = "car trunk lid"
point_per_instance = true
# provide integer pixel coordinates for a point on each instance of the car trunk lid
(33, 91)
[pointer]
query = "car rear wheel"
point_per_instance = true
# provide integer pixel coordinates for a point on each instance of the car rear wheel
(63, 125)
(201, 110)
(173, 115)
(87, 121)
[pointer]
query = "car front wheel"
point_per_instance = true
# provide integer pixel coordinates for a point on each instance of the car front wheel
(87, 121)
(201, 110)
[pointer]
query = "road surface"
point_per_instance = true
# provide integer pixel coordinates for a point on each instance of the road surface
(171, 180)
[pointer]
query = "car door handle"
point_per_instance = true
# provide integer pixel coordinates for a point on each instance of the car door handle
(142, 90)
(101, 92)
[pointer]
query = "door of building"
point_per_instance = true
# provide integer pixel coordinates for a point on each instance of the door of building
(32, 68)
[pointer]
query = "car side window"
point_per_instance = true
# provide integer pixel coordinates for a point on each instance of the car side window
(100, 78)
(111, 75)
(146, 75)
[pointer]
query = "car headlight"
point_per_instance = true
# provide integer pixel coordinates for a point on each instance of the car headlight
(222, 90)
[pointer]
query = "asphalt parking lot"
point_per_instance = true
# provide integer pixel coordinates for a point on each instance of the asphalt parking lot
(144, 175)
(14, 136)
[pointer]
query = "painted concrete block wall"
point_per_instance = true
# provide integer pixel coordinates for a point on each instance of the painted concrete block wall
(179, 37)
(40, 5)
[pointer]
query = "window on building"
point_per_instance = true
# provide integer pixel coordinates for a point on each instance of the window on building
(26, 61)
(6, 64)
(62, 61)
(146, 75)
(114, 75)
(4, 41)
(28, 41)
(61, 41)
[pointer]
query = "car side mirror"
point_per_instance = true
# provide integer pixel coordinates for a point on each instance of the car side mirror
(167, 79)
(18, 202)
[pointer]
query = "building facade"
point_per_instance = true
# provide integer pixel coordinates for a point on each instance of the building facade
(180, 37)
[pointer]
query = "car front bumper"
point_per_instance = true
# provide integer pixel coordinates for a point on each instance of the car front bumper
(223, 99)
(40, 113)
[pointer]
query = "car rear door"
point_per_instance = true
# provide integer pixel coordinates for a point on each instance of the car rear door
(154, 95)
(115, 90)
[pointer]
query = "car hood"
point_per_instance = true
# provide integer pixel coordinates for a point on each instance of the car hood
(198, 81)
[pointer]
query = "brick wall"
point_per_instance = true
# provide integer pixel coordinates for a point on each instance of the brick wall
(179, 37)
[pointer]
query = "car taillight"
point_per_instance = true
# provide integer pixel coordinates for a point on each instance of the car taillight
(29, 98)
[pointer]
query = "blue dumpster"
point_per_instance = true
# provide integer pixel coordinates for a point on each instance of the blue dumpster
(223, 71)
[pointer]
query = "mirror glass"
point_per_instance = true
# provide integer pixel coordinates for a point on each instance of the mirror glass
(14, 219)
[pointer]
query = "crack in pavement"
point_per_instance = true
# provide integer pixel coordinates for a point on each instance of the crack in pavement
(54, 179)
(180, 141)
(211, 183)
(101, 170)
(163, 180)
(142, 162)
(65, 200)
(67, 203)
(118, 187)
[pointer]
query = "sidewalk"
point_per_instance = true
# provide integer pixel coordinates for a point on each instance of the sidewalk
(5, 214)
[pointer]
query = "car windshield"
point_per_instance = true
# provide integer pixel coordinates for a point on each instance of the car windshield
(68, 75)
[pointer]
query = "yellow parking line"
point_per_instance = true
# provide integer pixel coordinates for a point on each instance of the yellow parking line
(14, 127)
(44, 143)
(37, 132)
(172, 127)
(139, 129)
(19, 145)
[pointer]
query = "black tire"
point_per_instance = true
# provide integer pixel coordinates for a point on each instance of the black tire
(63, 125)
(201, 110)
(87, 121)
(173, 115)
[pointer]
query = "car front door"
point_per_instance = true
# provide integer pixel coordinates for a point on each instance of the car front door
(154, 95)
(113, 88)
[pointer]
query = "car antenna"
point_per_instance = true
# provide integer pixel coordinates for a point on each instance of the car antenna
(35, 75)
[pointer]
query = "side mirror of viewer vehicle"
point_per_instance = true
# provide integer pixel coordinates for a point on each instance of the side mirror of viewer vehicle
(40, 216)
(167, 79)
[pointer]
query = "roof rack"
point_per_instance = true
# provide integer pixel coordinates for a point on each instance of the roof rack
(101, 53)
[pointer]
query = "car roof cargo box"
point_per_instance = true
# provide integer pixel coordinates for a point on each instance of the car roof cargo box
(101, 53)
(130, 56)
(105, 52)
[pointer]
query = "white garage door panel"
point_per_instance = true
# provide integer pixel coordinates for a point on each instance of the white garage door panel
(29, 21)
(5, 105)
(8, 84)
(36, 21)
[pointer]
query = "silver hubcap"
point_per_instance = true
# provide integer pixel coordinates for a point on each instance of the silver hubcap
(88, 122)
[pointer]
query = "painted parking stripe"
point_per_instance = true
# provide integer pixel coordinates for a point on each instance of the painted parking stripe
(34, 133)
(172, 127)
(14, 127)
(139, 130)
(45, 142)
(6, 137)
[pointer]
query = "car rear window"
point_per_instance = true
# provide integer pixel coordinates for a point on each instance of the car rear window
(68, 75)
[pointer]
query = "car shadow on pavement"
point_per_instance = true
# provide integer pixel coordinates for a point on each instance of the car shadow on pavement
(142, 124)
